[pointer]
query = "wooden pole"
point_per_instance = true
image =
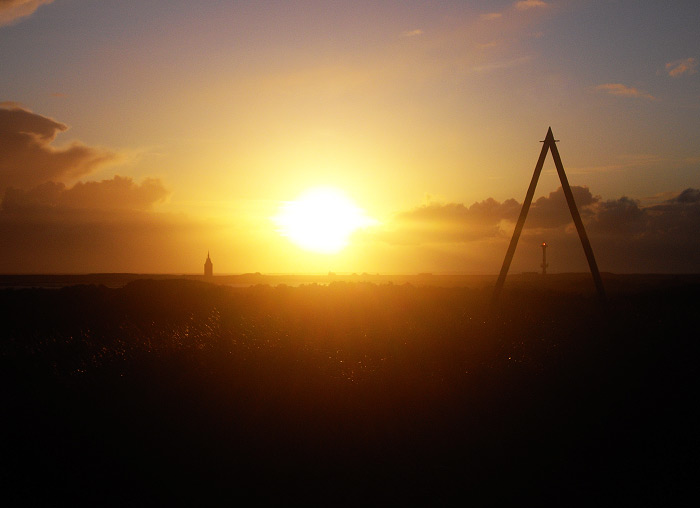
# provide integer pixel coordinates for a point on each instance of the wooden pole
(578, 222)
(523, 215)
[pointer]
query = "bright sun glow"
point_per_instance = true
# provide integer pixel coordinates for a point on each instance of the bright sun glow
(321, 220)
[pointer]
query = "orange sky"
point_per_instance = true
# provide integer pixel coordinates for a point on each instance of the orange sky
(135, 137)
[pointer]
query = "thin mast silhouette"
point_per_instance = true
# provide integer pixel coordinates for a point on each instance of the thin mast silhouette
(549, 143)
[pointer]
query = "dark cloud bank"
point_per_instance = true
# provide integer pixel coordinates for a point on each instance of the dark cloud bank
(49, 226)
(110, 225)
(119, 193)
(626, 236)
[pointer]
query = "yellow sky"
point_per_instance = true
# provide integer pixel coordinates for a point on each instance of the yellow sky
(236, 109)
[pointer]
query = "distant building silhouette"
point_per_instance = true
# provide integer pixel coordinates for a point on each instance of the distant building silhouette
(208, 267)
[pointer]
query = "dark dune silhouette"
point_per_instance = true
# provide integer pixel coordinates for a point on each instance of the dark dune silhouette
(347, 394)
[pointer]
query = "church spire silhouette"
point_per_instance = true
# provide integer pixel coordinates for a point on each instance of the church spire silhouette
(208, 266)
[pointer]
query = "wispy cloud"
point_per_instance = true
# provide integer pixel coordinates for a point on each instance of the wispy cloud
(624, 91)
(412, 33)
(623, 162)
(680, 67)
(504, 64)
(522, 5)
(487, 45)
(10, 105)
(529, 4)
(12, 11)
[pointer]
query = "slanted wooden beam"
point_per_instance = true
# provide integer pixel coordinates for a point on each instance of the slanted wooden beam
(578, 222)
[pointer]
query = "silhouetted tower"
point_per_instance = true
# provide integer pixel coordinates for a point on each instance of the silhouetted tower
(208, 267)
(544, 258)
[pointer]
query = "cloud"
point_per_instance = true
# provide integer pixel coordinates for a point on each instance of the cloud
(10, 104)
(96, 227)
(553, 211)
(449, 223)
(624, 91)
(663, 237)
(521, 6)
(27, 157)
(488, 212)
(119, 193)
(624, 162)
(43, 240)
(529, 4)
(12, 11)
(622, 218)
(681, 67)
(455, 222)
(503, 64)
(488, 45)
(49, 226)
(626, 236)
(688, 196)
(49, 223)
(412, 33)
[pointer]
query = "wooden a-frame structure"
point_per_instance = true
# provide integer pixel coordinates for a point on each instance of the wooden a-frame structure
(549, 143)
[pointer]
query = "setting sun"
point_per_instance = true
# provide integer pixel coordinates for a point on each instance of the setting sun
(321, 220)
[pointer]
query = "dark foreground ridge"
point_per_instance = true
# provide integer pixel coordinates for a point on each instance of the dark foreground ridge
(348, 394)
(567, 282)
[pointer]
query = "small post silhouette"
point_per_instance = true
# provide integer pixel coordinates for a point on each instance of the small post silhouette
(548, 144)
(544, 258)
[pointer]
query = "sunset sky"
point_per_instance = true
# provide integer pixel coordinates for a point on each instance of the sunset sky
(135, 136)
